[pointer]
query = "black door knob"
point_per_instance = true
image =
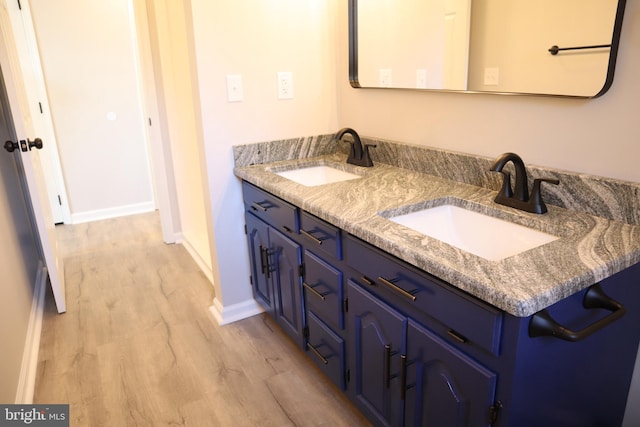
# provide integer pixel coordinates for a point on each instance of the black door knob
(11, 146)
(35, 143)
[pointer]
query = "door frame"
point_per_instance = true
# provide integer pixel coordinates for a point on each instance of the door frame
(156, 131)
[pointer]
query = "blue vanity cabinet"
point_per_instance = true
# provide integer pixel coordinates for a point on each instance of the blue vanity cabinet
(404, 374)
(376, 345)
(409, 349)
(324, 296)
(275, 258)
(443, 386)
(286, 258)
(430, 379)
(466, 363)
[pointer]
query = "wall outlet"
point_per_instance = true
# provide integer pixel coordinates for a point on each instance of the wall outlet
(492, 76)
(234, 88)
(285, 85)
(421, 78)
(386, 77)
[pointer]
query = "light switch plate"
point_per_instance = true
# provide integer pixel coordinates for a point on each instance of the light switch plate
(386, 77)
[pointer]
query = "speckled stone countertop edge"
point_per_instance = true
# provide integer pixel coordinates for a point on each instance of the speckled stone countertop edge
(590, 249)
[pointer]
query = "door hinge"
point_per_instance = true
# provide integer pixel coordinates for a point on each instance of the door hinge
(305, 332)
(345, 305)
(40, 106)
(149, 121)
(59, 200)
(347, 376)
(251, 280)
(494, 412)
(245, 229)
(301, 270)
(19, 5)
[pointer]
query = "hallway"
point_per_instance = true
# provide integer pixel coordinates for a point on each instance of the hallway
(137, 345)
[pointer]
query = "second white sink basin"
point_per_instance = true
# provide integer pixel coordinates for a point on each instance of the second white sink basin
(482, 235)
(312, 176)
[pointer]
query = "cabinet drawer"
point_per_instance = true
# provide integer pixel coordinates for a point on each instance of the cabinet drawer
(326, 349)
(320, 235)
(464, 318)
(270, 208)
(323, 290)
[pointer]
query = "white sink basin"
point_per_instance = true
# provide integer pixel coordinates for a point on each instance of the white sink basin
(485, 236)
(312, 176)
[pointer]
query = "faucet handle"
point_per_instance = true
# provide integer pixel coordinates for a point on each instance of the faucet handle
(366, 158)
(535, 200)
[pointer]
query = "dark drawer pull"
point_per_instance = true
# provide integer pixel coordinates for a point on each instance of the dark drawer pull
(396, 288)
(313, 291)
(310, 236)
(258, 206)
(368, 281)
(456, 336)
(542, 324)
(317, 353)
(265, 265)
(264, 261)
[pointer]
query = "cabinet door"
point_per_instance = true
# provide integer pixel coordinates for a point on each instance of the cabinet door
(375, 345)
(285, 258)
(258, 237)
(444, 386)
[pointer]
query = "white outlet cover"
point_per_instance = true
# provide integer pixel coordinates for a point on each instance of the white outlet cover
(421, 78)
(386, 77)
(285, 85)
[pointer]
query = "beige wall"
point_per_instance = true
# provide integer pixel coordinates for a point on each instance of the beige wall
(257, 39)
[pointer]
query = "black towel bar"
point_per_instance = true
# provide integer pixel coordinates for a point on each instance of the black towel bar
(555, 49)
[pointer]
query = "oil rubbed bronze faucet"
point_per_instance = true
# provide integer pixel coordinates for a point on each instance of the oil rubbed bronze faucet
(358, 155)
(518, 197)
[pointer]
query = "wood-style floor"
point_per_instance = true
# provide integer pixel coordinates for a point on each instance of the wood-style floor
(137, 346)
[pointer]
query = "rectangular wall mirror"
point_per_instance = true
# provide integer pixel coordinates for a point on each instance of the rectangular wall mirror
(537, 47)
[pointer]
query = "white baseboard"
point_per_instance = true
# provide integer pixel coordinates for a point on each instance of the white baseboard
(97, 215)
(29, 368)
(180, 239)
(235, 312)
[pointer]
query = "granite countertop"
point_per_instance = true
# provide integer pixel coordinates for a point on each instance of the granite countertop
(590, 248)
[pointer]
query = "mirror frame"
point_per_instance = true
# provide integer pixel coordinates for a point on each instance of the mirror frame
(353, 60)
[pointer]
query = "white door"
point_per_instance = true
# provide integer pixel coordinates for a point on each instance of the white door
(42, 120)
(14, 63)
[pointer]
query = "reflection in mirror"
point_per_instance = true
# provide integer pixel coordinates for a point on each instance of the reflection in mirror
(497, 46)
